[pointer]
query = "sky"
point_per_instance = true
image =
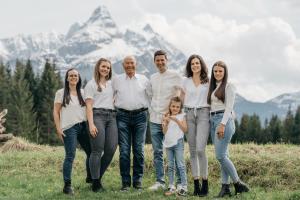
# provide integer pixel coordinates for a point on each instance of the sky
(259, 40)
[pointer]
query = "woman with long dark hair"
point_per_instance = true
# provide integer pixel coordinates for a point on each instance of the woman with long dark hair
(221, 97)
(101, 116)
(70, 121)
(195, 90)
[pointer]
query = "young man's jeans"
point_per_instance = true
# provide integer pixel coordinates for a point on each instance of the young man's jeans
(221, 147)
(132, 128)
(157, 138)
(175, 154)
(76, 132)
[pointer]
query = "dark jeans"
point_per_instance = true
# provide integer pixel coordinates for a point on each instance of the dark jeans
(104, 145)
(132, 131)
(76, 132)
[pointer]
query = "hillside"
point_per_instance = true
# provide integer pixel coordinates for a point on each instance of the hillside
(272, 171)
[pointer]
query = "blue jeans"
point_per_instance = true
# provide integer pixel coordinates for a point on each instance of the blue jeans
(77, 132)
(221, 148)
(157, 138)
(132, 131)
(175, 154)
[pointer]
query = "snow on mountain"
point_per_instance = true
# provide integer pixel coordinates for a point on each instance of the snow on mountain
(285, 100)
(86, 42)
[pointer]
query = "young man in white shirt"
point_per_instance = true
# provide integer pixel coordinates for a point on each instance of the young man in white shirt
(131, 102)
(165, 84)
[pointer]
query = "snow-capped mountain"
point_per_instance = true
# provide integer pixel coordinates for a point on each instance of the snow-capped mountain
(100, 36)
(276, 106)
(285, 100)
(86, 42)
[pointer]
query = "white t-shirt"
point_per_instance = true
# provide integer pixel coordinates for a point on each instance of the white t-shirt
(174, 133)
(103, 99)
(73, 113)
(195, 97)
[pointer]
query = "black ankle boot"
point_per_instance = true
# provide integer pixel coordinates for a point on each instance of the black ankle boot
(225, 190)
(196, 187)
(240, 187)
(67, 188)
(204, 188)
(96, 185)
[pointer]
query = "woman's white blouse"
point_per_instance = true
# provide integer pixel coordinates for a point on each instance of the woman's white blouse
(217, 104)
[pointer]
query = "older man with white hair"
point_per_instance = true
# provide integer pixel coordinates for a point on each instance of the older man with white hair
(131, 102)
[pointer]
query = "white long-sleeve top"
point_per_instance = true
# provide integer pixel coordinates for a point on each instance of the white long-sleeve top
(164, 86)
(217, 104)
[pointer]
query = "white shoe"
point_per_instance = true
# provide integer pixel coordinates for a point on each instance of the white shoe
(179, 187)
(157, 186)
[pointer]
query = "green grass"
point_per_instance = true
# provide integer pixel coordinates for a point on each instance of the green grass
(272, 171)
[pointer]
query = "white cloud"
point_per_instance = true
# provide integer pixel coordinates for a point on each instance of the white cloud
(262, 55)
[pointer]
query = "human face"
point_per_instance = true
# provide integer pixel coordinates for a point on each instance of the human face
(73, 77)
(195, 66)
(104, 69)
(175, 107)
(218, 73)
(161, 63)
(129, 65)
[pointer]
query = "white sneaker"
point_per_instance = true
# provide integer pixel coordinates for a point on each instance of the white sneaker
(179, 187)
(157, 186)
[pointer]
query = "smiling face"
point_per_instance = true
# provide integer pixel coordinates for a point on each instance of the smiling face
(195, 65)
(161, 63)
(175, 107)
(73, 77)
(219, 73)
(104, 69)
(129, 65)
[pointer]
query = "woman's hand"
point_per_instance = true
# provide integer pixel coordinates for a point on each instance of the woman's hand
(93, 130)
(220, 131)
(60, 135)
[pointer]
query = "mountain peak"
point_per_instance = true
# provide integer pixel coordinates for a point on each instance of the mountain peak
(101, 15)
(148, 29)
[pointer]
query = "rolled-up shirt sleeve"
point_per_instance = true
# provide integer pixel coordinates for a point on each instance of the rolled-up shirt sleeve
(230, 93)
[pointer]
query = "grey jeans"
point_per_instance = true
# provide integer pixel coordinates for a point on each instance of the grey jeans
(105, 143)
(198, 132)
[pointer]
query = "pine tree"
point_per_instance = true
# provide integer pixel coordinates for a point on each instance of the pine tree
(23, 118)
(275, 129)
(288, 126)
(254, 128)
(50, 82)
(32, 82)
(4, 87)
(296, 129)
(243, 129)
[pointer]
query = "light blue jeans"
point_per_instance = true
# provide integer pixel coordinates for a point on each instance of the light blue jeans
(221, 147)
(157, 138)
(175, 154)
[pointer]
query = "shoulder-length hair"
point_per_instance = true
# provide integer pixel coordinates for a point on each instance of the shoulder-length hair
(204, 72)
(220, 92)
(97, 73)
(175, 99)
(67, 97)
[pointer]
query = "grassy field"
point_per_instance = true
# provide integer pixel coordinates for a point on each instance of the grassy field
(35, 172)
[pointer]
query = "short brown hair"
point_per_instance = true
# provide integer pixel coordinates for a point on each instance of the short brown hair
(159, 53)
